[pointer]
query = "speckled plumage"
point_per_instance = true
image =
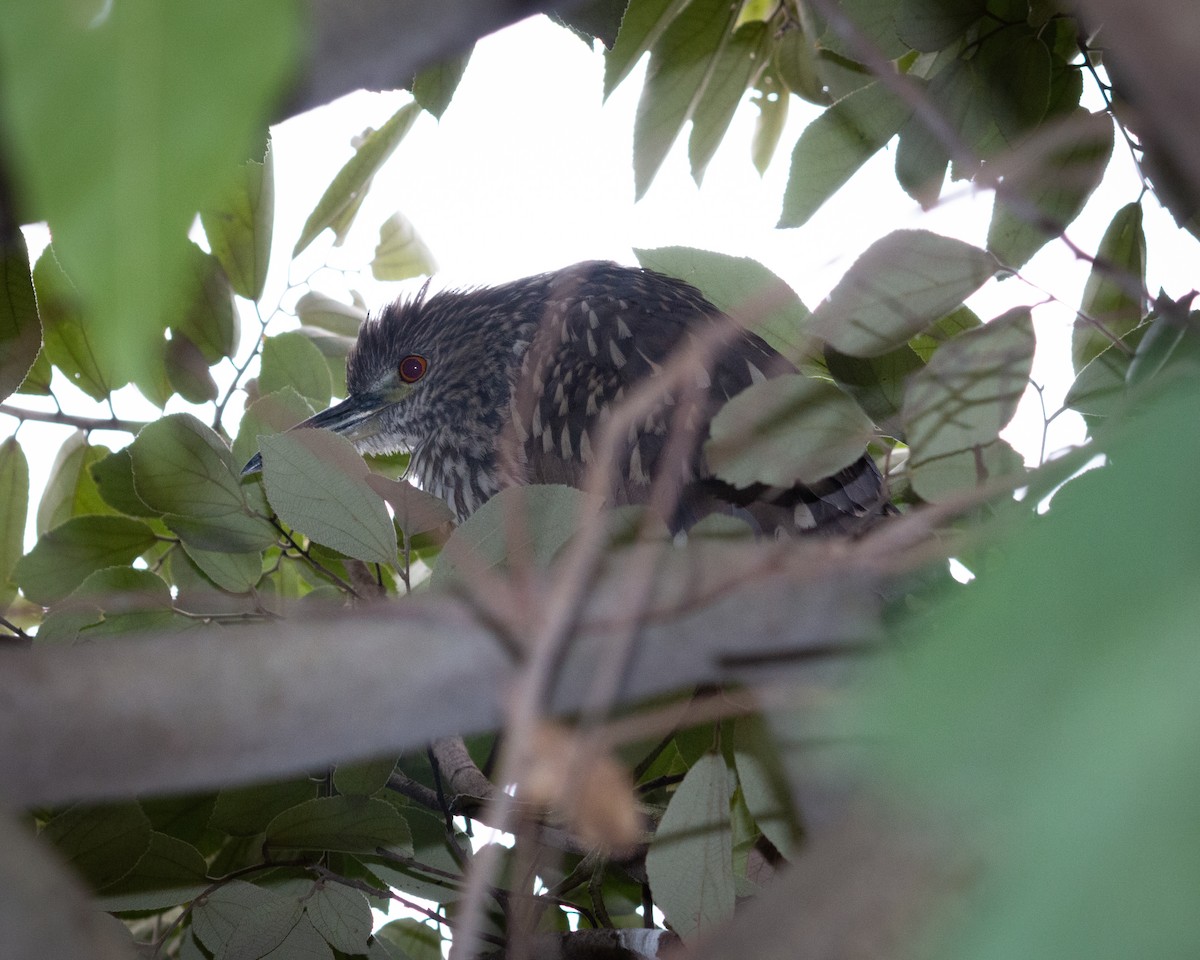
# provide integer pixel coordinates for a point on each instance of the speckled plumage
(521, 375)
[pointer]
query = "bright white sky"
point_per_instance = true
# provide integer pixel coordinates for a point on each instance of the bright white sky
(529, 171)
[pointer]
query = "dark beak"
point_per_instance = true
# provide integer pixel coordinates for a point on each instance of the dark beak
(353, 418)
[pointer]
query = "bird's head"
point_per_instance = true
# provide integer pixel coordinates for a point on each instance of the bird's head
(423, 366)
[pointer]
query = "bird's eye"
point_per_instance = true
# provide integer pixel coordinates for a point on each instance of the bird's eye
(412, 368)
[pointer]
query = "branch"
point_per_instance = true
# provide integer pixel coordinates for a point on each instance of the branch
(154, 716)
(71, 420)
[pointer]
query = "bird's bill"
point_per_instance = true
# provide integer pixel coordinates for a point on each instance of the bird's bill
(354, 418)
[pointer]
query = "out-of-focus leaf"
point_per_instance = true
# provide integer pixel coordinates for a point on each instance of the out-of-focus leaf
(348, 824)
(737, 66)
(316, 482)
(1170, 326)
(682, 65)
(20, 328)
(239, 223)
(929, 25)
(1038, 199)
(70, 490)
(644, 22)
(546, 516)
(290, 359)
(187, 371)
(796, 63)
(1100, 387)
(950, 474)
(835, 145)
(970, 388)
(335, 349)
(414, 510)
(862, 21)
(64, 557)
(14, 504)
(690, 863)
(433, 88)
(317, 310)
(786, 429)
(1112, 303)
(170, 873)
(113, 476)
(165, 99)
(102, 843)
(401, 253)
(901, 285)
(354, 179)
(772, 102)
(744, 289)
(1099, 651)
(70, 342)
(341, 916)
(1016, 73)
(206, 316)
(417, 940)
(951, 325)
(764, 785)
(246, 811)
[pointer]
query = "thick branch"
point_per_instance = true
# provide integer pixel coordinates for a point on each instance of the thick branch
(145, 716)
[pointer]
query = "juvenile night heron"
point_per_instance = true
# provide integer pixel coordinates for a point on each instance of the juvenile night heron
(512, 384)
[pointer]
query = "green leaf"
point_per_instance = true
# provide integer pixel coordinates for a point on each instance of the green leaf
(113, 476)
(230, 570)
(14, 505)
(690, 861)
(341, 915)
(1100, 387)
(947, 475)
(643, 24)
(1113, 303)
(414, 510)
(683, 63)
(737, 66)
(835, 145)
(786, 429)
(921, 161)
(317, 310)
(316, 482)
(764, 785)
(901, 285)
(433, 88)
(70, 490)
(20, 327)
(70, 341)
(269, 414)
(219, 913)
(206, 315)
(861, 21)
(742, 288)
(772, 102)
(64, 557)
(347, 824)
(102, 844)
(1041, 196)
(187, 371)
(336, 351)
(546, 516)
(163, 100)
(350, 185)
(951, 325)
(291, 360)
(877, 383)
(180, 466)
(238, 225)
(795, 60)
(930, 25)
(170, 873)
(401, 253)
(970, 388)
(246, 811)
(37, 381)
(363, 779)
(417, 940)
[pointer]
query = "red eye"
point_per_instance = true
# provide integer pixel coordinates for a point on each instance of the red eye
(412, 368)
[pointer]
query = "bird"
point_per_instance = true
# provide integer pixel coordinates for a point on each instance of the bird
(491, 387)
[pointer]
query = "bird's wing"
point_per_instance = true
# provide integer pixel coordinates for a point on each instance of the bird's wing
(608, 329)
